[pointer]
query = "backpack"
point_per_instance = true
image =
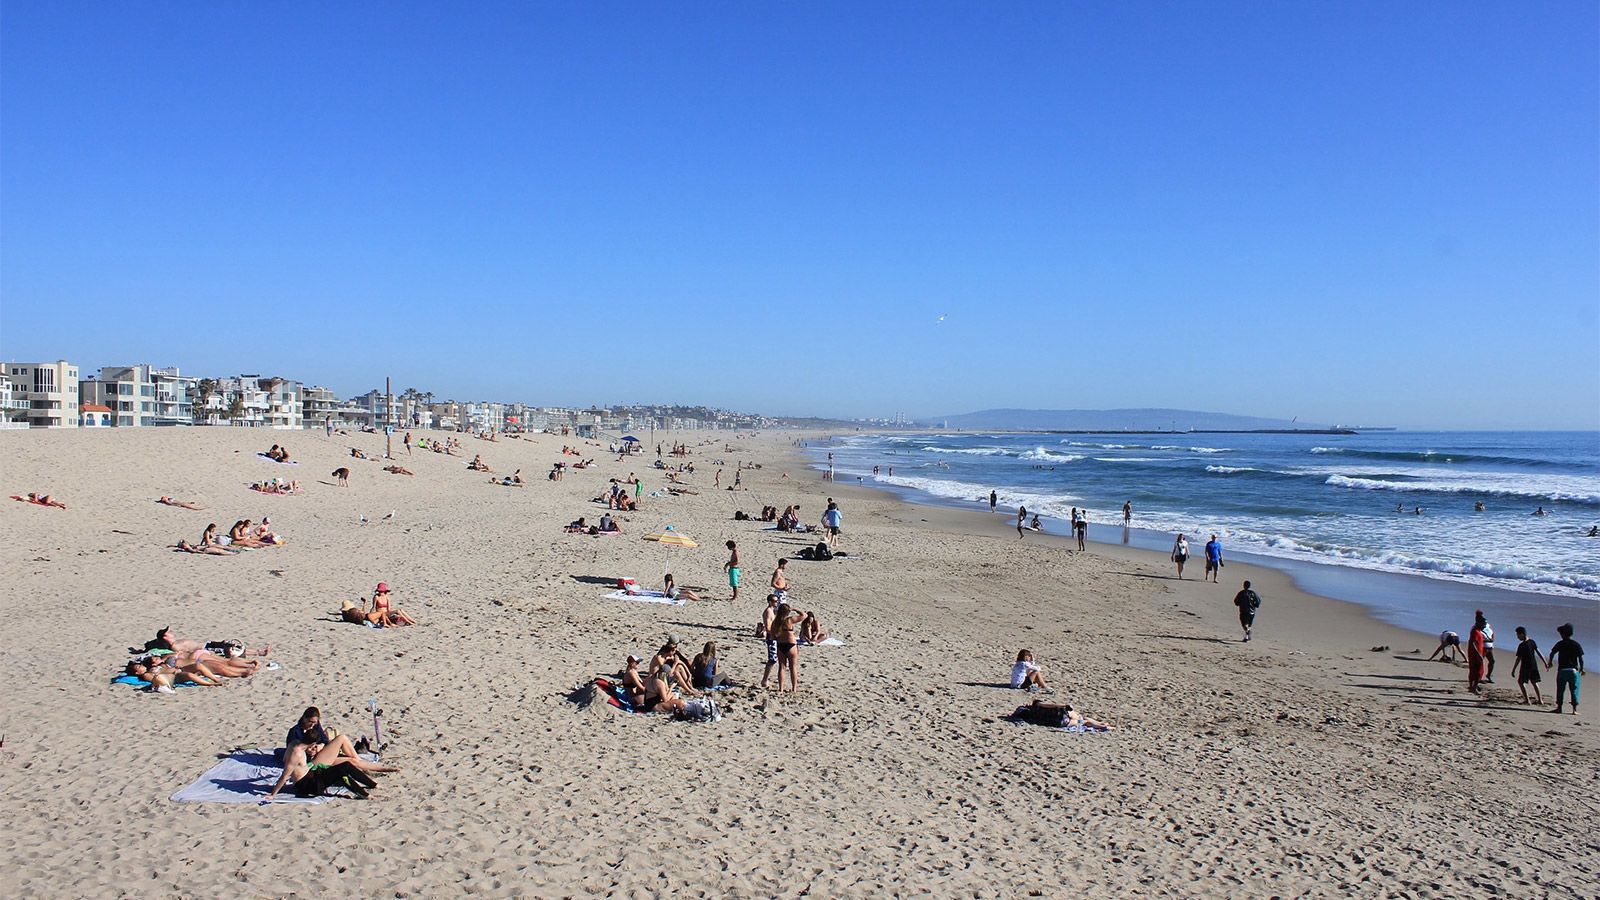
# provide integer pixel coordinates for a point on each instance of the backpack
(700, 709)
(1050, 715)
(822, 552)
(806, 553)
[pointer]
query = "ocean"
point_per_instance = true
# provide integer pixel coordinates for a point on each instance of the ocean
(1345, 501)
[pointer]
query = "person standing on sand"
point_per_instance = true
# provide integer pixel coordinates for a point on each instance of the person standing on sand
(1475, 653)
(1525, 668)
(1213, 558)
(1180, 553)
(832, 521)
(993, 498)
(1022, 520)
(732, 565)
(1127, 513)
(1567, 657)
(1488, 651)
(1082, 528)
(717, 482)
(1248, 602)
(780, 580)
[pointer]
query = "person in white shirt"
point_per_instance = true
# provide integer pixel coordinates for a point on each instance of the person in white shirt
(1026, 674)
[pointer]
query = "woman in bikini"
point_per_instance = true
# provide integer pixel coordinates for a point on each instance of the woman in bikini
(633, 683)
(782, 633)
(658, 695)
(383, 613)
(811, 629)
(312, 779)
(671, 589)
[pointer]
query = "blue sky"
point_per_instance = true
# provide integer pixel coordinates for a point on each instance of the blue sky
(1359, 212)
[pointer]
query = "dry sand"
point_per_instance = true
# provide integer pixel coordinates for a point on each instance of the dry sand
(1302, 763)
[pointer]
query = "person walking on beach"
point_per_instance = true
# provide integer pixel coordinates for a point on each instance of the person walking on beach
(1488, 651)
(1081, 529)
(1567, 657)
(732, 565)
(832, 521)
(1180, 553)
(1475, 653)
(1248, 602)
(993, 498)
(1022, 520)
(1525, 668)
(1213, 558)
(407, 442)
(1127, 512)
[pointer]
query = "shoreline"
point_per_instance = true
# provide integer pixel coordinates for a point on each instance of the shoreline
(1448, 602)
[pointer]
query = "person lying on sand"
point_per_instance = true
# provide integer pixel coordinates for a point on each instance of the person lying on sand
(580, 526)
(354, 613)
(1075, 719)
(168, 501)
(207, 549)
(505, 481)
(398, 470)
(314, 780)
(177, 669)
(357, 453)
(40, 500)
(673, 592)
(1026, 674)
(164, 640)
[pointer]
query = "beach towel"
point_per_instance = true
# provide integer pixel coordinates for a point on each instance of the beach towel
(292, 462)
(645, 597)
(827, 642)
(135, 682)
(245, 776)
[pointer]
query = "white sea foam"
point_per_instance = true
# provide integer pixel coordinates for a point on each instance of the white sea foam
(1039, 453)
(1103, 446)
(1132, 459)
(1551, 488)
(1229, 470)
(970, 451)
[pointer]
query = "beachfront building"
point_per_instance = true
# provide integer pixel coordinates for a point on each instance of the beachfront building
(141, 395)
(93, 415)
(13, 406)
(254, 402)
(486, 416)
(318, 405)
(48, 390)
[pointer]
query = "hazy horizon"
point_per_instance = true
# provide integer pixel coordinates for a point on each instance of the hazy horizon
(1341, 213)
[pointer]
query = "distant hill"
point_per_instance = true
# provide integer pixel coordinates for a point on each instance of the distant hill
(1111, 420)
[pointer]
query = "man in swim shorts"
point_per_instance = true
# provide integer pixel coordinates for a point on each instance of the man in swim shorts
(732, 565)
(1213, 558)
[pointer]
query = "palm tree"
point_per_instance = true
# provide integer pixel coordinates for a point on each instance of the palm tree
(205, 388)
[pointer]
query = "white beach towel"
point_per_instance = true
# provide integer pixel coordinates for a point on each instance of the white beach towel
(645, 597)
(829, 642)
(291, 462)
(247, 776)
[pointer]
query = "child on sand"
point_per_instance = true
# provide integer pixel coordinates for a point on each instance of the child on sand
(1567, 657)
(1525, 668)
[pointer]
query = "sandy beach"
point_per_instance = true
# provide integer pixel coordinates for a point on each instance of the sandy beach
(1305, 762)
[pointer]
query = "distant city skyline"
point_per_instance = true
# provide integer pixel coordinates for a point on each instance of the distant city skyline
(1350, 214)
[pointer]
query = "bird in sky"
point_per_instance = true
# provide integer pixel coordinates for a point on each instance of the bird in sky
(941, 318)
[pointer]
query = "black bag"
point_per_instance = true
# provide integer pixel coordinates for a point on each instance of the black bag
(823, 551)
(805, 553)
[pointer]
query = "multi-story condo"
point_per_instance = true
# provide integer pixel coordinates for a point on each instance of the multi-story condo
(486, 416)
(256, 402)
(141, 395)
(319, 405)
(50, 391)
(13, 405)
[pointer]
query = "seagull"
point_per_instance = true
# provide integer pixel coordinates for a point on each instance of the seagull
(390, 515)
(941, 318)
(363, 520)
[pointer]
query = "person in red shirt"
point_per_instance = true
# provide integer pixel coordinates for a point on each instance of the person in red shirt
(1475, 644)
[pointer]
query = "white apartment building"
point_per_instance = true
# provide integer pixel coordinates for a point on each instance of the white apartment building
(49, 390)
(141, 395)
(486, 416)
(256, 402)
(13, 406)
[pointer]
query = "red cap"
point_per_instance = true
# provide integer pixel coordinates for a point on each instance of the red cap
(383, 587)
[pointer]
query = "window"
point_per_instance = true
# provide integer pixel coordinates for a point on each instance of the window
(44, 380)
(146, 390)
(146, 406)
(125, 389)
(124, 420)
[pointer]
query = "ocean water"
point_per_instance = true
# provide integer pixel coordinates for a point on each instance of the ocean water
(1329, 499)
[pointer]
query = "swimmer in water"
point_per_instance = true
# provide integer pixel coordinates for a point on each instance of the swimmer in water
(1540, 512)
(1477, 507)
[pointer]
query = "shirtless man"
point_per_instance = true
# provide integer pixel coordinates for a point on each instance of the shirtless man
(764, 631)
(732, 565)
(780, 580)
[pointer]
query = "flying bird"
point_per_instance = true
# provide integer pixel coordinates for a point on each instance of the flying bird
(941, 318)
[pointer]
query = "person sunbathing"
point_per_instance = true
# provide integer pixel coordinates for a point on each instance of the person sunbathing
(338, 749)
(478, 465)
(156, 680)
(633, 683)
(207, 549)
(165, 640)
(398, 470)
(168, 501)
(673, 592)
(313, 779)
(670, 661)
(265, 535)
(357, 453)
(184, 668)
(214, 664)
(387, 616)
(505, 481)
(811, 629)
(581, 526)
(239, 535)
(40, 500)
(354, 613)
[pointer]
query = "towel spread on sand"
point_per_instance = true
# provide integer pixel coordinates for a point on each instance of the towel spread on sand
(645, 597)
(246, 776)
(131, 680)
(828, 642)
(279, 462)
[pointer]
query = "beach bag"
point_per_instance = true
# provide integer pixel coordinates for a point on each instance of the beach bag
(226, 648)
(1050, 715)
(822, 552)
(700, 709)
(806, 553)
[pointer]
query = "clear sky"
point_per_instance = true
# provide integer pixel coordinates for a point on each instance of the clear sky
(1354, 212)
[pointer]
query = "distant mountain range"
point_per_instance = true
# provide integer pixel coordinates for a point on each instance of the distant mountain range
(1113, 420)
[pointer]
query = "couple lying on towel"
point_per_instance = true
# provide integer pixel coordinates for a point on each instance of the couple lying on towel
(317, 758)
(172, 660)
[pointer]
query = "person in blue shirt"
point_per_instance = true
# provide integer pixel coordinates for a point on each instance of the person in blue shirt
(832, 520)
(1213, 558)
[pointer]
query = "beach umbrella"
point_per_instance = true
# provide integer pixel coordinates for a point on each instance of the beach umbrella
(629, 439)
(668, 537)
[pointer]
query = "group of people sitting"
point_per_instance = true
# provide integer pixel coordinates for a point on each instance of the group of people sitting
(167, 661)
(789, 520)
(449, 446)
(478, 465)
(243, 535)
(655, 688)
(379, 612)
(38, 499)
(317, 758)
(277, 454)
(276, 486)
(616, 497)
